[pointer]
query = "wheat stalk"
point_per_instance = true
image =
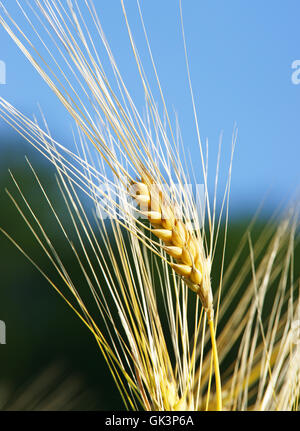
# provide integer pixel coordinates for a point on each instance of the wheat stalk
(179, 241)
(187, 250)
(144, 157)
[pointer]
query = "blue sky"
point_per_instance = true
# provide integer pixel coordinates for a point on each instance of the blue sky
(241, 56)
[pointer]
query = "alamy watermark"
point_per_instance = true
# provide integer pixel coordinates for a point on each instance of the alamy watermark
(112, 201)
(296, 74)
(2, 332)
(2, 72)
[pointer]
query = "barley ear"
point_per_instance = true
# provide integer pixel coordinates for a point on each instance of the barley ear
(179, 242)
(188, 252)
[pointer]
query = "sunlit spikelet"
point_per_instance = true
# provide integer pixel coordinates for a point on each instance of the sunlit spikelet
(180, 242)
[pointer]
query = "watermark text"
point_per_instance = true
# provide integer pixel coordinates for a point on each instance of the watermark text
(2, 332)
(2, 72)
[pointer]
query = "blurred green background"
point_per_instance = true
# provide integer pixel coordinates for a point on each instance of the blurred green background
(40, 328)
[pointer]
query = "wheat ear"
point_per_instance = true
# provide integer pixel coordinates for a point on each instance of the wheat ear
(178, 239)
(186, 249)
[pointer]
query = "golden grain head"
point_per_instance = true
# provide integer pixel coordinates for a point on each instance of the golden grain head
(180, 243)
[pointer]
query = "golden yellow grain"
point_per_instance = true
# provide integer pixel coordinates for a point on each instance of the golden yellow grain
(179, 241)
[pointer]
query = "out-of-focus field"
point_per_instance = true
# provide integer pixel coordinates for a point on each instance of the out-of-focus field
(40, 328)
